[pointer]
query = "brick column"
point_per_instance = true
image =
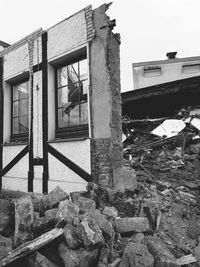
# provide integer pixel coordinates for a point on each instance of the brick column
(106, 145)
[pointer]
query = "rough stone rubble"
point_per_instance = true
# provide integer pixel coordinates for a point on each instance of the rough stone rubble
(150, 218)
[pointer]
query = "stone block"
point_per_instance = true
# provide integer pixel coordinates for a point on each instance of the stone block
(78, 258)
(71, 236)
(163, 257)
(5, 246)
(38, 260)
(75, 195)
(52, 199)
(137, 238)
(24, 218)
(91, 233)
(102, 222)
(67, 211)
(124, 179)
(85, 204)
(138, 255)
(110, 212)
(6, 218)
(134, 224)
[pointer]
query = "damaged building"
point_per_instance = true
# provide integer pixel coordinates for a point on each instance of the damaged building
(60, 119)
(162, 88)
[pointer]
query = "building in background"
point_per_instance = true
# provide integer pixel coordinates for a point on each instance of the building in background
(162, 88)
(150, 73)
(60, 101)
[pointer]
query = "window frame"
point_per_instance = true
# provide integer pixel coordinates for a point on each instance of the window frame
(76, 131)
(20, 137)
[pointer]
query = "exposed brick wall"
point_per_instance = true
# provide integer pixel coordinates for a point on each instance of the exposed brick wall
(89, 22)
(21, 42)
(101, 162)
(106, 147)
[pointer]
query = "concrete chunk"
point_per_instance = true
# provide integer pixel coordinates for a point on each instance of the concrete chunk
(67, 211)
(85, 204)
(134, 224)
(71, 236)
(102, 222)
(24, 218)
(163, 257)
(54, 197)
(91, 234)
(138, 255)
(5, 217)
(5, 246)
(78, 258)
(110, 212)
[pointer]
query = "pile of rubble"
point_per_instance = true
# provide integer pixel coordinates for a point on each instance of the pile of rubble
(154, 224)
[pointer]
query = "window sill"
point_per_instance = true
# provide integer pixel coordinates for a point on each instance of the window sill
(15, 144)
(64, 140)
(73, 132)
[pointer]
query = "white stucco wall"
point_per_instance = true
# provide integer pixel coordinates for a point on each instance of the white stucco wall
(37, 115)
(67, 35)
(37, 52)
(16, 62)
(7, 113)
(170, 72)
(16, 178)
(79, 153)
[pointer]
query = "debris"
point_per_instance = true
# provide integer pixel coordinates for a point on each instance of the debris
(138, 255)
(134, 224)
(24, 218)
(31, 246)
(187, 259)
(169, 128)
(161, 253)
(6, 218)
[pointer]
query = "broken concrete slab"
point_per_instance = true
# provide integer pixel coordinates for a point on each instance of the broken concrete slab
(52, 199)
(102, 222)
(110, 212)
(138, 238)
(31, 246)
(6, 217)
(36, 259)
(134, 224)
(5, 246)
(161, 253)
(24, 218)
(67, 211)
(80, 257)
(71, 236)
(91, 233)
(85, 204)
(138, 255)
(124, 179)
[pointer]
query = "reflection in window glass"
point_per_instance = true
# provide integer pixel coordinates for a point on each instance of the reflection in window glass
(20, 108)
(72, 84)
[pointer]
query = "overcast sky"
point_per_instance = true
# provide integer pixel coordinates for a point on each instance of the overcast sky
(148, 28)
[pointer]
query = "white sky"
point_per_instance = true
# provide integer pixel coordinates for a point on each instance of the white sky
(148, 28)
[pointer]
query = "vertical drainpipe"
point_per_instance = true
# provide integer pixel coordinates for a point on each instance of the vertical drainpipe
(31, 168)
(45, 175)
(1, 119)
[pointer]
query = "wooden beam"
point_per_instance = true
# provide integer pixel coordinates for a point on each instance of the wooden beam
(14, 161)
(31, 246)
(70, 164)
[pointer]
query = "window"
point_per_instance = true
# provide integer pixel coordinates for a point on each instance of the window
(20, 111)
(152, 71)
(71, 97)
(191, 68)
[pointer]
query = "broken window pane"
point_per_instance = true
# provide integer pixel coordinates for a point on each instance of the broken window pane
(72, 94)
